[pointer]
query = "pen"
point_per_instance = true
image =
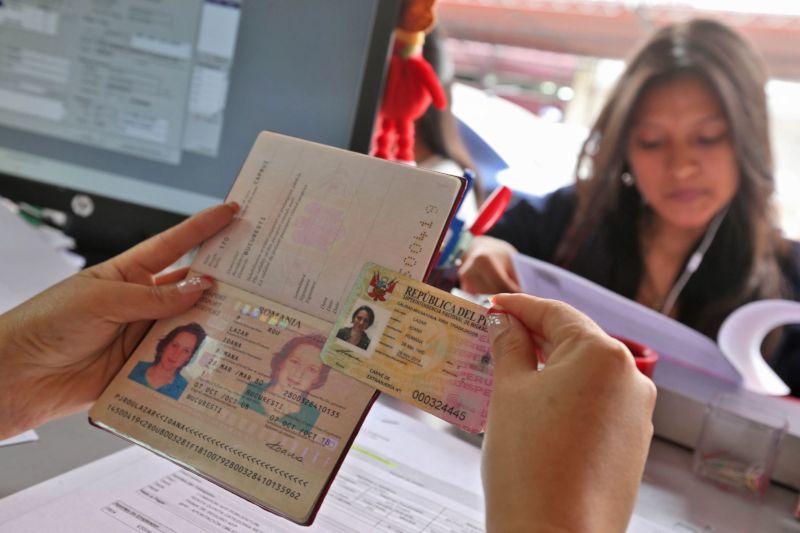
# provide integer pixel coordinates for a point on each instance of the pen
(456, 225)
(455, 230)
(469, 175)
(488, 215)
(491, 211)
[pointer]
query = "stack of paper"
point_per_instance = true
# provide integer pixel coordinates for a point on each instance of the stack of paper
(30, 262)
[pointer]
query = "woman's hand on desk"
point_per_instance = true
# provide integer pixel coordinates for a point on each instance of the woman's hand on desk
(486, 267)
(60, 349)
(565, 447)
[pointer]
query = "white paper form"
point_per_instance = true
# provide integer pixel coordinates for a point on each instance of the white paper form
(27, 436)
(28, 262)
(401, 475)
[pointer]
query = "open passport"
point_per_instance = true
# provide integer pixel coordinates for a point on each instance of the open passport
(234, 389)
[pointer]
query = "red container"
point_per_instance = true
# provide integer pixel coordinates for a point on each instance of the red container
(645, 356)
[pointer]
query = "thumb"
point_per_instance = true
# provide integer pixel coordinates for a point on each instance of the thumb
(129, 302)
(513, 348)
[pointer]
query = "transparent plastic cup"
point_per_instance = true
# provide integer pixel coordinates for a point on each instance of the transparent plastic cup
(738, 445)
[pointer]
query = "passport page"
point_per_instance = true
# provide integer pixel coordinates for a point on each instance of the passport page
(313, 215)
(234, 389)
(250, 404)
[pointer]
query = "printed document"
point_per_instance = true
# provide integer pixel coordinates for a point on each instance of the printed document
(400, 476)
(620, 316)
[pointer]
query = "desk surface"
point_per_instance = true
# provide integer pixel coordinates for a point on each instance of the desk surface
(63, 445)
(670, 495)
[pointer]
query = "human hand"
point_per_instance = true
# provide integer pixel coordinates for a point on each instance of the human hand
(565, 447)
(60, 349)
(486, 267)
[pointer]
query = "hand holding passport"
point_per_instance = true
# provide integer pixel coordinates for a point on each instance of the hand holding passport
(256, 410)
(322, 234)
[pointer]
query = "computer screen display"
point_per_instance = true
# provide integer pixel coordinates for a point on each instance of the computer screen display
(155, 103)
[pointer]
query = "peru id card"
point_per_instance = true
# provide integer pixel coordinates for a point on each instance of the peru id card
(417, 343)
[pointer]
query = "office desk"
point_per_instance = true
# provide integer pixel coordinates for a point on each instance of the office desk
(63, 445)
(672, 496)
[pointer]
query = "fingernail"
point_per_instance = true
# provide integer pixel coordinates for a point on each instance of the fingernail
(195, 284)
(234, 206)
(493, 299)
(497, 322)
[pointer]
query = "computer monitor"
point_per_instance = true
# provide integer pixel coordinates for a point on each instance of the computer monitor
(129, 115)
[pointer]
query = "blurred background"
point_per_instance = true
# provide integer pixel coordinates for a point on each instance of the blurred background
(531, 76)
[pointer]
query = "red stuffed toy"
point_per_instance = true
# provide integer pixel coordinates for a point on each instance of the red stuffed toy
(411, 85)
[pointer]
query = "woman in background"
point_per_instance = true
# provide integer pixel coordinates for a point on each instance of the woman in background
(673, 205)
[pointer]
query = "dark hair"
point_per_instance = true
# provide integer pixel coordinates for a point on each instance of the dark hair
(369, 311)
(194, 328)
(743, 262)
(315, 340)
(437, 128)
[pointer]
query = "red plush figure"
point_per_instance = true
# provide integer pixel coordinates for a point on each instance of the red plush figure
(411, 86)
